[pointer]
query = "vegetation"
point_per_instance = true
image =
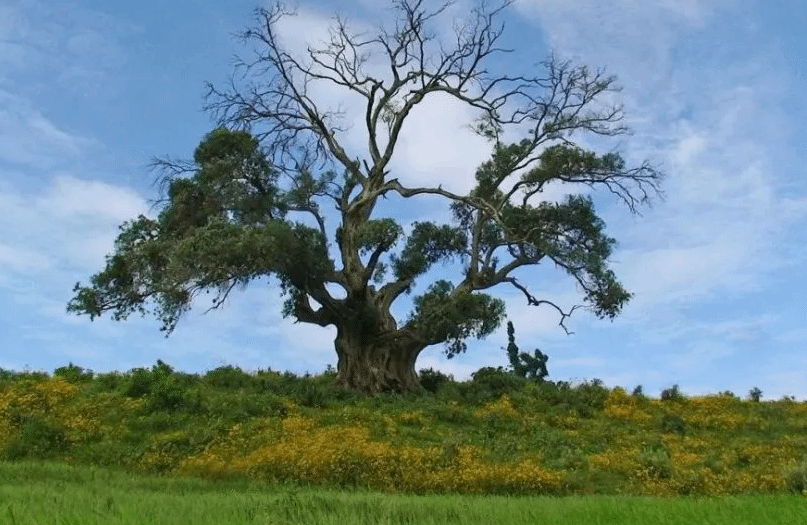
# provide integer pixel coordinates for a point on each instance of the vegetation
(523, 364)
(231, 221)
(498, 433)
(51, 493)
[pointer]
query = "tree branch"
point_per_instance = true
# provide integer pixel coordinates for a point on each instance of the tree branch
(537, 302)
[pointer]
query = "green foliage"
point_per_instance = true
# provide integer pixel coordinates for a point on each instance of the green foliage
(532, 367)
(228, 377)
(441, 316)
(378, 234)
(671, 394)
(673, 424)
(431, 379)
(796, 478)
(655, 457)
(11, 375)
(164, 389)
(490, 383)
(426, 245)
(570, 163)
(73, 373)
(168, 395)
(194, 245)
(588, 398)
(755, 394)
(233, 175)
(571, 234)
(37, 438)
(109, 382)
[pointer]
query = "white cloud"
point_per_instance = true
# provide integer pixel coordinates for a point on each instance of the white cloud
(27, 137)
(71, 223)
(68, 198)
(21, 259)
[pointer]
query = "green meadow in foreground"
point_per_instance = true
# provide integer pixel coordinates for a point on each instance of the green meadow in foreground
(45, 493)
(497, 434)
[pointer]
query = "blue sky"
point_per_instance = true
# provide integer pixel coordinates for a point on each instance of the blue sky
(90, 91)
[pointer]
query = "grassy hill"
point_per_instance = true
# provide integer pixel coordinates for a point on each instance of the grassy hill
(495, 434)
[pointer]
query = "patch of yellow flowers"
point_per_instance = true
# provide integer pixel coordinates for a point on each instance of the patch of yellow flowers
(306, 452)
(31, 398)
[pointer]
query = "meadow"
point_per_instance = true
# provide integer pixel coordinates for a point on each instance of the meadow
(497, 448)
(50, 493)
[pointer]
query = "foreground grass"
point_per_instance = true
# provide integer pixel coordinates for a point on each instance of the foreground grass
(44, 493)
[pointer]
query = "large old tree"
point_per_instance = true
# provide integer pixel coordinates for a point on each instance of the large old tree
(229, 222)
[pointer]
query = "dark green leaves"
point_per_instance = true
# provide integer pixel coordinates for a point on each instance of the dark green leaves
(441, 317)
(233, 175)
(426, 245)
(571, 164)
(378, 234)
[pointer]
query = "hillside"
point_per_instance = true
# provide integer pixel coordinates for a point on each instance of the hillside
(497, 433)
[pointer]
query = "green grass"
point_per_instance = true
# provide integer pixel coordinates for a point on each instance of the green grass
(597, 441)
(48, 493)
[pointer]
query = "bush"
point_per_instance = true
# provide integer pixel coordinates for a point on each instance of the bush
(755, 394)
(656, 459)
(73, 374)
(670, 394)
(168, 395)
(490, 383)
(37, 439)
(165, 389)
(138, 383)
(796, 479)
(553, 393)
(228, 377)
(312, 395)
(11, 375)
(431, 379)
(588, 397)
(109, 382)
(672, 424)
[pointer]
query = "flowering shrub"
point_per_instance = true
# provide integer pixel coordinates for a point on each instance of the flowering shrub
(503, 408)
(346, 455)
(534, 440)
(619, 405)
(24, 400)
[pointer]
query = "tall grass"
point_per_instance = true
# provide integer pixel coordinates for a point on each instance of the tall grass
(37, 492)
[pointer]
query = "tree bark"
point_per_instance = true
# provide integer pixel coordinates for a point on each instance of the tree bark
(375, 365)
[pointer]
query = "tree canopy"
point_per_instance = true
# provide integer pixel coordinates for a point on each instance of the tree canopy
(275, 155)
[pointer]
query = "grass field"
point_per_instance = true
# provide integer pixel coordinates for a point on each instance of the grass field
(49, 493)
(265, 447)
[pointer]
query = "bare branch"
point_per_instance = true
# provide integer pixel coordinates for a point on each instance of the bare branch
(537, 302)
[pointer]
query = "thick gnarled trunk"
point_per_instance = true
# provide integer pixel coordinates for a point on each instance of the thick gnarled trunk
(375, 366)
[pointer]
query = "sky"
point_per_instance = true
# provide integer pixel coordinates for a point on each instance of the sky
(91, 91)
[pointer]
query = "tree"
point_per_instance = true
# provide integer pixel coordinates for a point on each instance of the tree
(227, 224)
(523, 364)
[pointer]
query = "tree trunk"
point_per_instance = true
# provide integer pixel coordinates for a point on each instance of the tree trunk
(378, 364)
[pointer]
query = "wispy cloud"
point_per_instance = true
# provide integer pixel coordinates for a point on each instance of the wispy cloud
(47, 42)
(30, 139)
(720, 226)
